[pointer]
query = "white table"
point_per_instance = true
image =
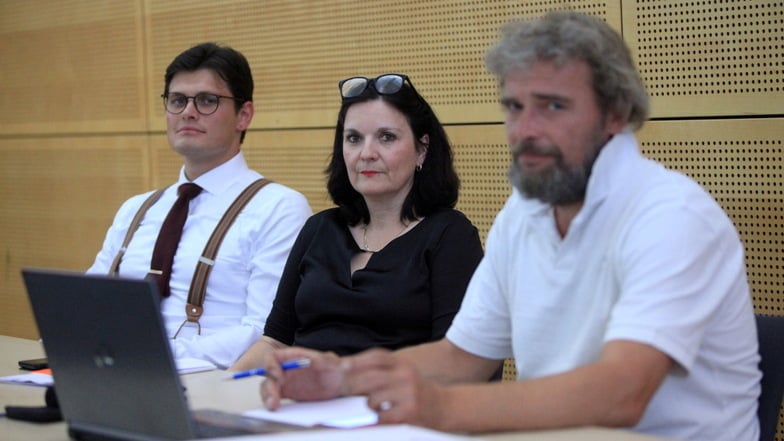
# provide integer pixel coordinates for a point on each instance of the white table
(209, 390)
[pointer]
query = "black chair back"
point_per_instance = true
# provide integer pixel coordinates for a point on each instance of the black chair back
(770, 330)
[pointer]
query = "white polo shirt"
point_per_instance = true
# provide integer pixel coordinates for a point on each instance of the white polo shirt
(650, 257)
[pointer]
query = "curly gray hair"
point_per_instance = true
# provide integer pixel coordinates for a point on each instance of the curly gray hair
(560, 37)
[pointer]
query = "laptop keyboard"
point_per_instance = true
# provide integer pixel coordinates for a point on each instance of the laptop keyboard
(208, 423)
(207, 430)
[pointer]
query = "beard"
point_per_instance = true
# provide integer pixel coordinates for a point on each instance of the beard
(559, 184)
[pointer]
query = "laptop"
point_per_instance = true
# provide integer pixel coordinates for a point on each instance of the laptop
(113, 369)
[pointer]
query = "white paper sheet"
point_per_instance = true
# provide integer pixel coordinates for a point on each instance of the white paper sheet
(345, 412)
(29, 379)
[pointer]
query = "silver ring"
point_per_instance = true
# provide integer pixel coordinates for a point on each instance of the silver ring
(384, 406)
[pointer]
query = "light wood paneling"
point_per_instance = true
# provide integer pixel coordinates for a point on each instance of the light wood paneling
(59, 196)
(300, 49)
(71, 66)
(296, 158)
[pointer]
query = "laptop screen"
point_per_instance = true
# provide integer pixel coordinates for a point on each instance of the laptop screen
(110, 357)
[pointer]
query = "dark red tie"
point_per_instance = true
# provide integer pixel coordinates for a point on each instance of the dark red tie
(169, 237)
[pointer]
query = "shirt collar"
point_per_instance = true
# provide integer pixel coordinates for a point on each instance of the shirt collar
(221, 177)
(609, 170)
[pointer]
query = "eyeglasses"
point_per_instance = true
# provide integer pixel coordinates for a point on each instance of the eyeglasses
(206, 103)
(387, 84)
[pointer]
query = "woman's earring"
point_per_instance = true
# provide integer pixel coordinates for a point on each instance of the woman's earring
(419, 167)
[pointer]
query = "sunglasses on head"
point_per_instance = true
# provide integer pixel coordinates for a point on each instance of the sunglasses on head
(387, 84)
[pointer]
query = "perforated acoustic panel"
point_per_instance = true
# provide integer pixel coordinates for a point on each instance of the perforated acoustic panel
(300, 49)
(709, 57)
(482, 160)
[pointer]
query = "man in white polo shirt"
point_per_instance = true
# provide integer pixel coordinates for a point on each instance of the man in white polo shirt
(618, 286)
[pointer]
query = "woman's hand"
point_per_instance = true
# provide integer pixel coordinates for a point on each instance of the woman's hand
(323, 379)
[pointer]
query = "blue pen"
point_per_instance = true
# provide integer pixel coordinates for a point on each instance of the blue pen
(293, 364)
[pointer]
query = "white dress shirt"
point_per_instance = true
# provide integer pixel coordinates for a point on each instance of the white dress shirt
(250, 260)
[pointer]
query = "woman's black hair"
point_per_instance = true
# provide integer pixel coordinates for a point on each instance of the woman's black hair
(435, 186)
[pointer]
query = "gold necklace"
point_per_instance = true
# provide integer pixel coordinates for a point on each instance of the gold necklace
(364, 241)
(365, 246)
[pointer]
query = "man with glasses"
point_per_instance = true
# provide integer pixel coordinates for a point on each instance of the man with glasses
(208, 99)
(618, 286)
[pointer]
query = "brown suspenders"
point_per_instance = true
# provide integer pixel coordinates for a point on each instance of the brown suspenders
(194, 307)
(132, 229)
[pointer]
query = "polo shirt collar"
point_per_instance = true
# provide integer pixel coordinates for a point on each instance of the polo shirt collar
(609, 168)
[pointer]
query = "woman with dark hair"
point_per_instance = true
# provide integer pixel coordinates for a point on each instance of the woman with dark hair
(389, 265)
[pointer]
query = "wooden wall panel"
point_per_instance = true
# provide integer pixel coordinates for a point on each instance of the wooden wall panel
(166, 163)
(482, 159)
(296, 158)
(300, 49)
(71, 66)
(59, 196)
(708, 58)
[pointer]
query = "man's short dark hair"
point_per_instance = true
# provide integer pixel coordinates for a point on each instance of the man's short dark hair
(228, 63)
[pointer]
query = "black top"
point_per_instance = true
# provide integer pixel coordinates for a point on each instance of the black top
(408, 293)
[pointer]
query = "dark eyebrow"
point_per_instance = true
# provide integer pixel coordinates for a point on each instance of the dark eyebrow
(539, 97)
(551, 97)
(389, 129)
(197, 93)
(506, 100)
